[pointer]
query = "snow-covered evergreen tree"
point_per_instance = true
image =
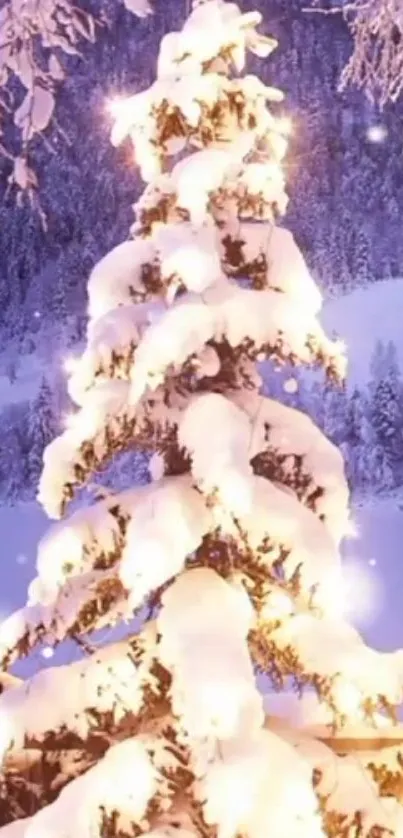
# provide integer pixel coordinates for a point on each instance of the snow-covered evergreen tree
(387, 405)
(335, 418)
(367, 461)
(234, 544)
(41, 429)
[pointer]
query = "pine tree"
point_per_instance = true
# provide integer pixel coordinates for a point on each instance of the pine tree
(335, 419)
(361, 259)
(41, 429)
(367, 463)
(230, 555)
(13, 477)
(387, 405)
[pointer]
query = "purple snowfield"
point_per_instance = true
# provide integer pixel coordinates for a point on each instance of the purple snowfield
(363, 317)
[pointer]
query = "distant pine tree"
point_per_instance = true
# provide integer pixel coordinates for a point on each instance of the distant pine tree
(13, 457)
(387, 405)
(368, 464)
(361, 261)
(41, 429)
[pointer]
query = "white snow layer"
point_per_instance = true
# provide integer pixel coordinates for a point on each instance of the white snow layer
(286, 267)
(106, 788)
(266, 318)
(167, 526)
(204, 622)
(291, 434)
(107, 682)
(118, 275)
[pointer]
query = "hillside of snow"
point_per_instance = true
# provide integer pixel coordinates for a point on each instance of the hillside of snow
(361, 318)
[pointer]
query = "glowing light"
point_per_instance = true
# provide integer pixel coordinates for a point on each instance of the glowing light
(353, 529)
(354, 593)
(290, 386)
(347, 698)
(285, 125)
(377, 133)
(277, 606)
(21, 559)
(47, 652)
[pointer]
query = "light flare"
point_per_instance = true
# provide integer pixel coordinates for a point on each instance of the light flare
(377, 134)
(353, 593)
(284, 125)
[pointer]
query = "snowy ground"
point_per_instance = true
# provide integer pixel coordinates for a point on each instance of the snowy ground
(362, 318)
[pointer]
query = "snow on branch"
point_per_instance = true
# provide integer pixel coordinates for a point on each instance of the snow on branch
(203, 623)
(91, 571)
(355, 681)
(121, 277)
(193, 102)
(90, 697)
(224, 441)
(229, 320)
(186, 257)
(118, 794)
(260, 785)
(86, 603)
(269, 256)
(376, 63)
(82, 447)
(105, 424)
(258, 323)
(121, 530)
(235, 181)
(193, 111)
(111, 343)
(214, 34)
(345, 782)
(256, 188)
(220, 453)
(167, 527)
(288, 448)
(292, 547)
(168, 521)
(35, 37)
